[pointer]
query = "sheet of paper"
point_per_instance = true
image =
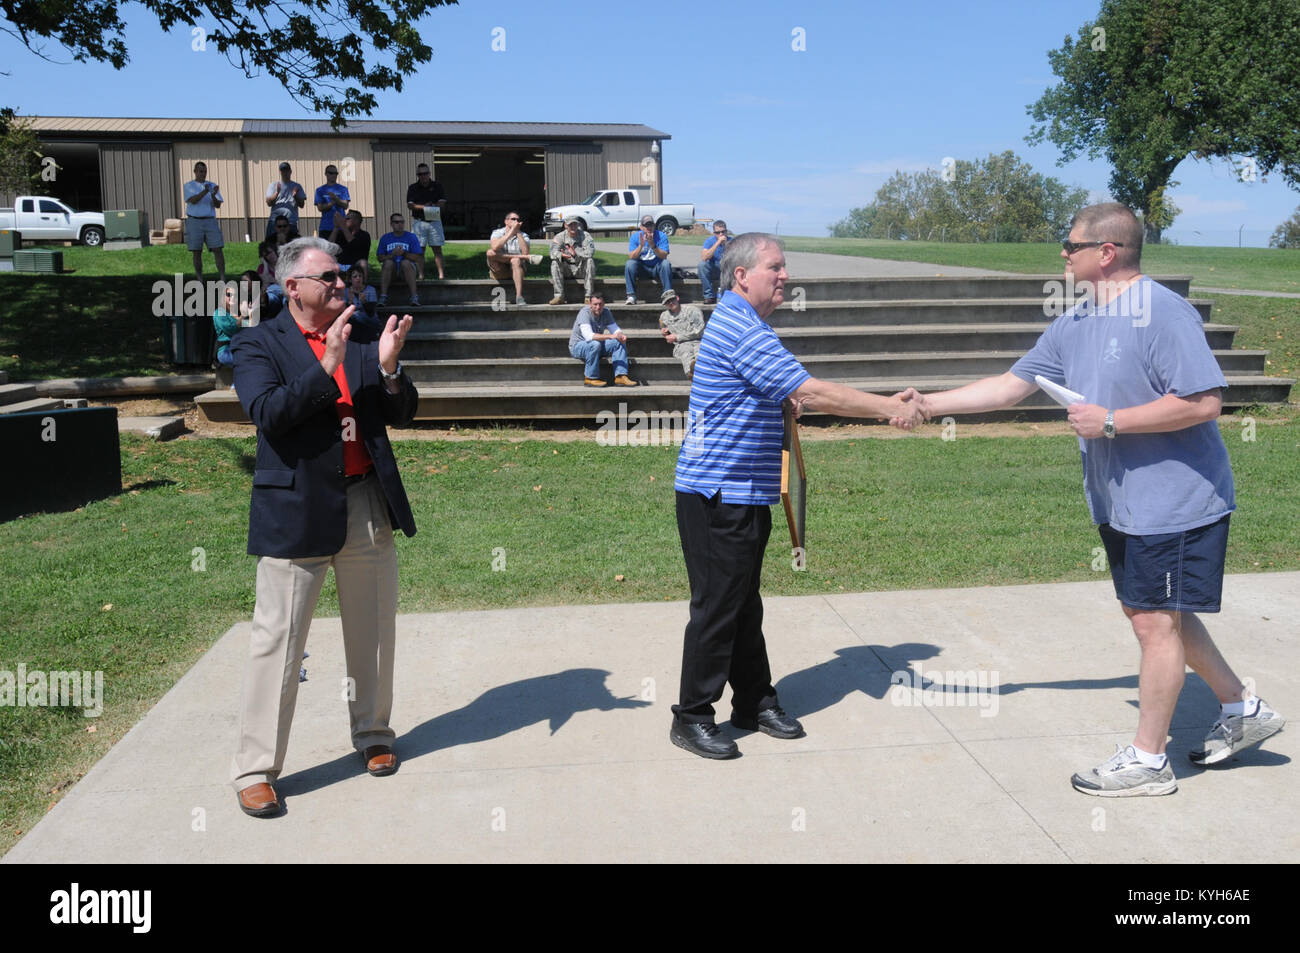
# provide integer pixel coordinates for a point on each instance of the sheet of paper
(1062, 395)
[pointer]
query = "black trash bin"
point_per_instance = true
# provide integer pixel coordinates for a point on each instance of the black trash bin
(189, 340)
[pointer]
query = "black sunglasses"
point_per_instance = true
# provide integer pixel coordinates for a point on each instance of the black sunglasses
(1072, 247)
(329, 277)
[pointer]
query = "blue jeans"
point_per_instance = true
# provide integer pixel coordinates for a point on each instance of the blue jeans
(635, 268)
(224, 357)
(710, 277)
(590, 352)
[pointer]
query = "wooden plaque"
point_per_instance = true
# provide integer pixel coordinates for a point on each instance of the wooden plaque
(794, 482)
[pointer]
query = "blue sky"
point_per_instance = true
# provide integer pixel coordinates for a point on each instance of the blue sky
(763, 135)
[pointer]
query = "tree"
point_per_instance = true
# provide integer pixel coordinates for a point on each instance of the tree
(1287, 234)
(328, 54)
(20, 156)
(1151, 82)
(1000, 198)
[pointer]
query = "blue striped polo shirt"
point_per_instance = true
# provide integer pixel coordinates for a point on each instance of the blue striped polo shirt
(734, 428)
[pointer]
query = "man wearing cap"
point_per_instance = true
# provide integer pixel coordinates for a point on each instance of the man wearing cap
(331, 201)
(425, 200)
(573, 255)
(595, 332)
(284, 197)
(202, 199)
(682, 327)
(711, 261)
(647, 257)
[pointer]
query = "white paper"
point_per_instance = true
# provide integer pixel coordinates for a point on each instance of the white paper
(1062, 395)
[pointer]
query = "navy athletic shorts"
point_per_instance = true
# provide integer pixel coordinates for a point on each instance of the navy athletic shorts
(1178, 572)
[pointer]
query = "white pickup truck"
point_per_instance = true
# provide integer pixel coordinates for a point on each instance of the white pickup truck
(619, 210)
(39, 218)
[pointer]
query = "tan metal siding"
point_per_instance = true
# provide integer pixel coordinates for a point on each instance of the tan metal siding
(625, 164)
(394, 165)
(308, 157)
(573, 171)
(139, 175)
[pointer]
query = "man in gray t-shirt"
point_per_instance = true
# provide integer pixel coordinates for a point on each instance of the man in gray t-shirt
(1157, 479)
(595, 333)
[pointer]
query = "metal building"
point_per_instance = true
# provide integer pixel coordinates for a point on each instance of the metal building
(486, 168)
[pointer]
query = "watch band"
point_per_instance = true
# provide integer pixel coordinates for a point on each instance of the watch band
(393, 376)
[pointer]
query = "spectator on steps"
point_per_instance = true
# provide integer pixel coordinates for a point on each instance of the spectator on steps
(682, 328)
(352, 239)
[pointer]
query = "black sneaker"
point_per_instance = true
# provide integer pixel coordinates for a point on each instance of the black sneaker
(702, 739)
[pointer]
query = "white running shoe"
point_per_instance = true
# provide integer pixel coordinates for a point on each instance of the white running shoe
(1233, 733)
(1123, 775)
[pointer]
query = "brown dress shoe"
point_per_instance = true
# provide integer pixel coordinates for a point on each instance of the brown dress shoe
(593, 382)
(380, 760)
(624, 381)
(259, 801)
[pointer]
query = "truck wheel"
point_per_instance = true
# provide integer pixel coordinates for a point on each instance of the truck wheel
(667, 225)
(92, 235)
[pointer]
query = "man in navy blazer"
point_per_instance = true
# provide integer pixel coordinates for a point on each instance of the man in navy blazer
(326, 492)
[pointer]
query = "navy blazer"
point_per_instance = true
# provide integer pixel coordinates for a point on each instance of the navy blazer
(299, 506)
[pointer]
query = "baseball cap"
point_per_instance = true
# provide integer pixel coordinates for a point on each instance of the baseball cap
(667, 296)
(647, 220)
(285, 165)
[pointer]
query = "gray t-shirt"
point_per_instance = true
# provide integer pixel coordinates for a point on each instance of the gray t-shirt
(604, 324)
(1146, 343)
(512, 246)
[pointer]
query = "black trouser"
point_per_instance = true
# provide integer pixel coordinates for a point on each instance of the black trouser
(723, 544)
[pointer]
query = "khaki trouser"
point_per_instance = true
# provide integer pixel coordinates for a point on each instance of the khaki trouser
(365, 572)
(584, 268)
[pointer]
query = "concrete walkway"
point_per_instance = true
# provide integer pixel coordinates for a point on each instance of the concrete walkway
(802, 264)
(542, 735)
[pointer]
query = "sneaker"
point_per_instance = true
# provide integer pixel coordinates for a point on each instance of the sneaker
(1123, 775)
(624, 381)
(383, 299)
(558, 299)
(630, 300)
(534, 259)
(415, 301)
(706, 740)
(593, 382)
(1233, 733)
(520, 301)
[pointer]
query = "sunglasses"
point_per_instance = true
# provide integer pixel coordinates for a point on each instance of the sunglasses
(1072, 247)
(329, 277)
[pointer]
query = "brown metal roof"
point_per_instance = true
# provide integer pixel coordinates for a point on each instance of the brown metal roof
(125, 126)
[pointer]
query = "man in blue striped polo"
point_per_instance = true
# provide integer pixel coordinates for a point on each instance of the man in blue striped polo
(728, 475)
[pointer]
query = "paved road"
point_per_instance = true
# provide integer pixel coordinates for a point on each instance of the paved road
(542, 735)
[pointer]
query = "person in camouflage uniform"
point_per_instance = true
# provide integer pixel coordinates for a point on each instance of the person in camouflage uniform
(682, 328)
(573, 255)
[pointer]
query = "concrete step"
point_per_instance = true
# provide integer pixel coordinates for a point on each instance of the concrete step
(573, 401)
(485, 318)
(802, 341)
(538, 290)
(664, 367)
(13, 393)
(32, 406)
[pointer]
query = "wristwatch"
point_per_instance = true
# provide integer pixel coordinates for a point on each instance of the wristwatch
(1107, 428)
(398, 373)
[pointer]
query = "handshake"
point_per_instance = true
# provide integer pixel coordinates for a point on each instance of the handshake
(912, 409)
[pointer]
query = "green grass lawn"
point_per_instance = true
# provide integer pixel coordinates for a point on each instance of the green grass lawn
(120, 585)
(1256, 269)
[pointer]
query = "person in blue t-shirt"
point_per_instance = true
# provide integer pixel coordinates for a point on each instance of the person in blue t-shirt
(647, 257)
(715, 246)
(332, 201)
(398, 251)
(728, 476)
(1157, 478)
